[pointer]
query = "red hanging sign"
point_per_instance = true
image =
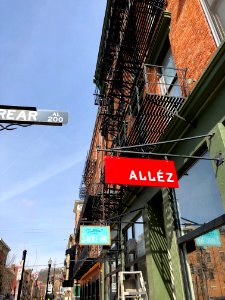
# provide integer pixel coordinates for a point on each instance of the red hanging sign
(140, 171)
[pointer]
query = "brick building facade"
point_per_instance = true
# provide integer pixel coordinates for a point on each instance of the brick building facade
(5, 274)
(160, 89)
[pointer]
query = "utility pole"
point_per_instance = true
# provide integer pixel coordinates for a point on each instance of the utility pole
(21, 280)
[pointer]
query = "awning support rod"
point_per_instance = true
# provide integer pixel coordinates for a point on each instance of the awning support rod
(218, 160)
(210, 135)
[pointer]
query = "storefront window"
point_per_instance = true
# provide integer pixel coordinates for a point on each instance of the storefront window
(135, 248)
(200, 204)
(135, 240)
(207, 265)
(139, 237)
(129, 233)
(198, 196)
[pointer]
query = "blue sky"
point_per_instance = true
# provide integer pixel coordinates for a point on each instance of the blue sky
(48, 54)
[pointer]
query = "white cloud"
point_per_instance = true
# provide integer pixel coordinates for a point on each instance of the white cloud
(54, 169)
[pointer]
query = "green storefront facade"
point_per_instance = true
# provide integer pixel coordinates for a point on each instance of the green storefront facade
(165, 263)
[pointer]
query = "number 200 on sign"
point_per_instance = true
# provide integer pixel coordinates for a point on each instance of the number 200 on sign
(55, 118)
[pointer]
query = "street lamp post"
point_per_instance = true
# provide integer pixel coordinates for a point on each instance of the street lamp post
(49, 268)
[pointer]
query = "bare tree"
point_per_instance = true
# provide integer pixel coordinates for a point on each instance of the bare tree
(6, 278)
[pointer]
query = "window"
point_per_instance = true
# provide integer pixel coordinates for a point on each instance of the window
(206, 262)
(135, 248)
(167, 76)
(192, 268)
(215, 13)
(129, 233)
(139, 237)
(222, 256)
(211, 274)
(198, 195)
(135, 239)
(198, 257)
(208, 257)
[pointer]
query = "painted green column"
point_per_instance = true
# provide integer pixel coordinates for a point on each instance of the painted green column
(162, 256)
(216, 146)
(173, 253)
(158, 258)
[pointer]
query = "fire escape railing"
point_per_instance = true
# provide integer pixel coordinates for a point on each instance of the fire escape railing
(164, 80)
(129, 33)
(129, 30)
(153, 106)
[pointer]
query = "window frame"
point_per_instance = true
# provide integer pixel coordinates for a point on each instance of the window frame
(186, 242)
(165, 86)
(216, 32)
(125, 233)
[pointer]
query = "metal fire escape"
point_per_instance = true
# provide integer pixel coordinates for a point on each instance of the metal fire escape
(136, 101)
(129, 29)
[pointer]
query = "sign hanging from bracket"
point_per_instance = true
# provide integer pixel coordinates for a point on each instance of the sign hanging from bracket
(31, 115)
(140, 172)
(95, 235)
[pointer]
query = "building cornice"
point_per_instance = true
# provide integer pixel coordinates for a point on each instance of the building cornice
(4, 246)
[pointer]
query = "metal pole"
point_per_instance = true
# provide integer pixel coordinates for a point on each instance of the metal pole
(53, 283)
(210, 135)
(218, 160)
(46, 292)
(21, 280)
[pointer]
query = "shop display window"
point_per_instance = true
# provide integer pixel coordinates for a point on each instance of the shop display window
(206, 265)
(198, 197)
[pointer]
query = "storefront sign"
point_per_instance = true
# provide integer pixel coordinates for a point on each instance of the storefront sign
(139, 171)
(27, 116)
(210, 239)
(95, 235)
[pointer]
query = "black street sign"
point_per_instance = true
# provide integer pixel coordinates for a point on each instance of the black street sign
(31, 115)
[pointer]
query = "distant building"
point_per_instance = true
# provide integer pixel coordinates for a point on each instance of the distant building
(68, 281)
(78, 206)
(5, 274)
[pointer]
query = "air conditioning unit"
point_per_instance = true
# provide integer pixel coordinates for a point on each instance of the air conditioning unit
(131, 246)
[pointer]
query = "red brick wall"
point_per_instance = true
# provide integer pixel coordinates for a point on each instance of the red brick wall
(191, 39)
